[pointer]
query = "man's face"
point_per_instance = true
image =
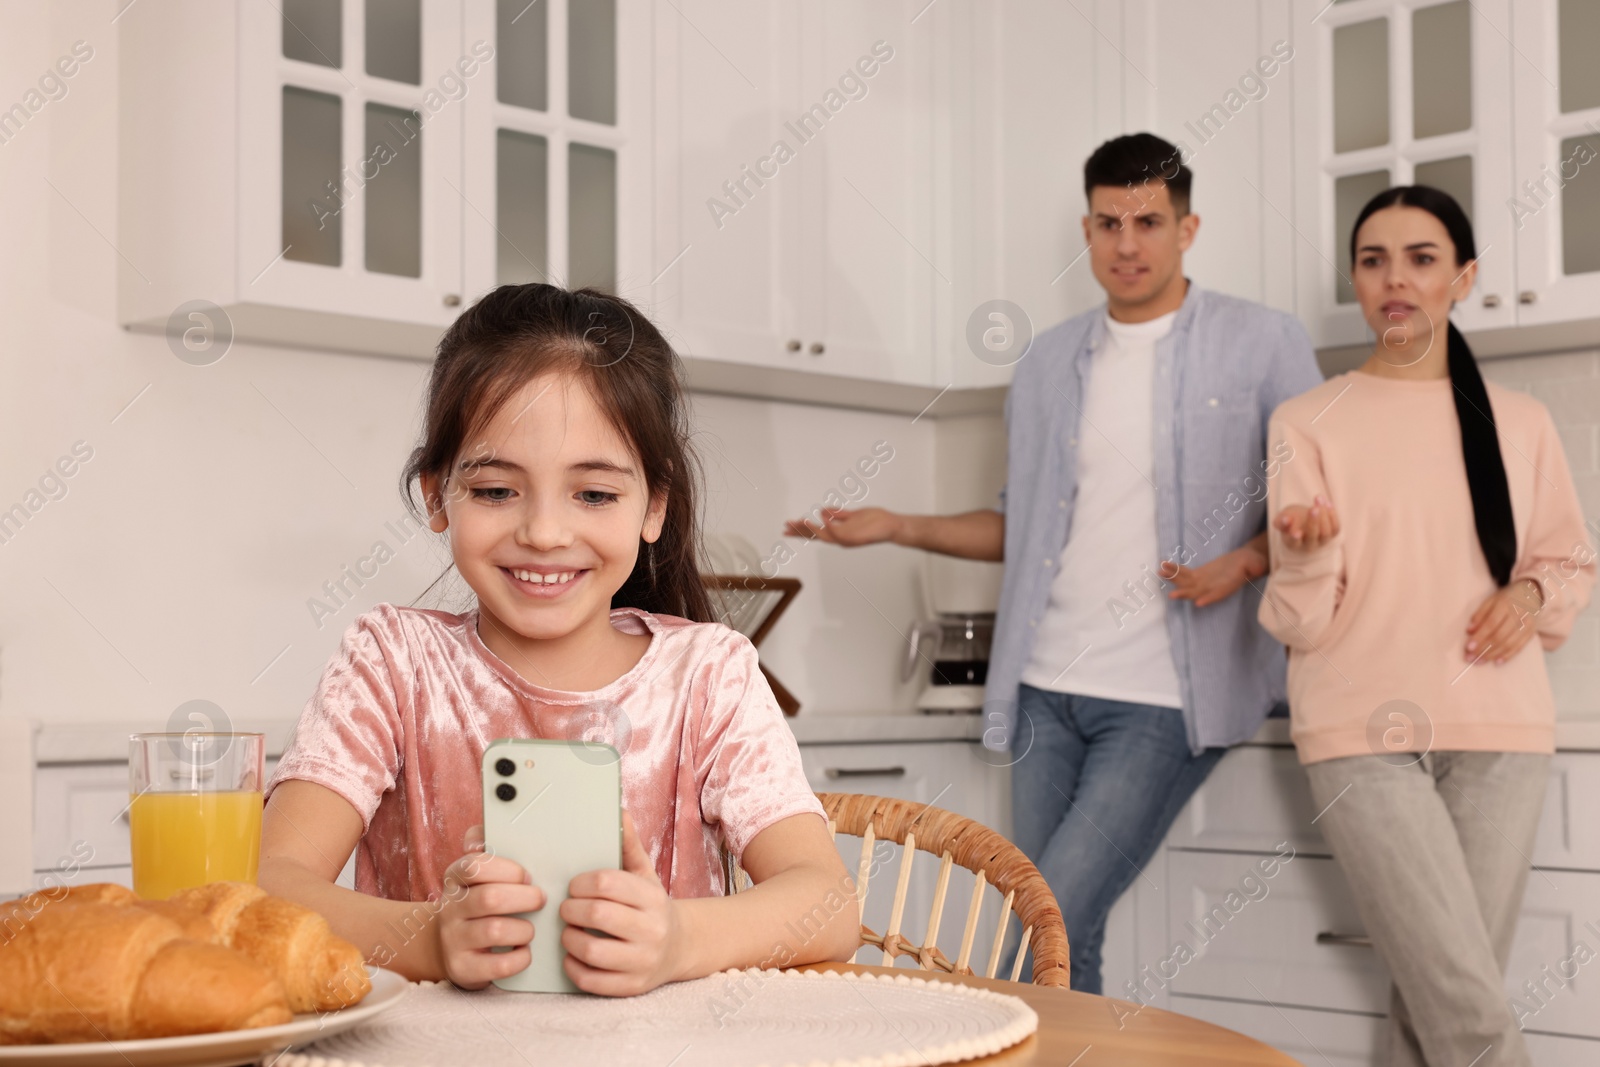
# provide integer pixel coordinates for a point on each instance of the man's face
(1136, 241)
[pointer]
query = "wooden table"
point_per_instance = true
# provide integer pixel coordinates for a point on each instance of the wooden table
(1083, 1030)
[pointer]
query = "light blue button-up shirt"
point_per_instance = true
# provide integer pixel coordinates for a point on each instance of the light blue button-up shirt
(1225, 365)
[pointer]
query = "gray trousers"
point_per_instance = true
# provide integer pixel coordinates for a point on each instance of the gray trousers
(1436, 852)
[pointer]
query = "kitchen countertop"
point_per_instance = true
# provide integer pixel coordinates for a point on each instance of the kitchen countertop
(108, 742)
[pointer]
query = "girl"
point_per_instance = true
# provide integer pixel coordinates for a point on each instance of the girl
(555, 456)
(1424, 532)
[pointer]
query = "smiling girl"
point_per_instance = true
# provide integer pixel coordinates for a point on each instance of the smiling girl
(1427, 549)
(555, 458)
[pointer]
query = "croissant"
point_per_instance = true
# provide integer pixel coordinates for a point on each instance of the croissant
(86, 971)
(92, 893)
(319, 971)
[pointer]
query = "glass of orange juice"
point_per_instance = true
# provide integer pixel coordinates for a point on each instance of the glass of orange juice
(196, 809)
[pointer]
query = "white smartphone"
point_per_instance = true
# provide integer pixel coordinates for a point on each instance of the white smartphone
(555, 808)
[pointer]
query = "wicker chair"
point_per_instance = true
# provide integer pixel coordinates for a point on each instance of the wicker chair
(957, 841)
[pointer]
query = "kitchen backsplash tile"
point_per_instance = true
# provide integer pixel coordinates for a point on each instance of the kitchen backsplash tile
(1569, 385)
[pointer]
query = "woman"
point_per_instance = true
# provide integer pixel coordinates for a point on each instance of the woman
(1425, 531)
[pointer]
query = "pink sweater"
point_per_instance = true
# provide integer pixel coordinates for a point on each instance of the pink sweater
(406, 707)
(1380, 613)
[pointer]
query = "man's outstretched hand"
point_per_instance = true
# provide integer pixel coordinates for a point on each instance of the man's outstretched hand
(844, 526)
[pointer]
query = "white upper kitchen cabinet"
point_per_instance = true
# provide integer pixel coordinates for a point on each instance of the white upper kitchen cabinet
(1222, 74)
(556, 159)
(293, 164)
(347, 174)
(1555, 206)
(1400, 92)
(725, 80)
(869, 274)
(793, 211)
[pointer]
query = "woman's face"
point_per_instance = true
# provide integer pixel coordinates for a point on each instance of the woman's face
(545, 510)
(1406, 278)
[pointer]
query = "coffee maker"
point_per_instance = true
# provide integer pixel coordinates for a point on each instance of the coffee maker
(949, 648)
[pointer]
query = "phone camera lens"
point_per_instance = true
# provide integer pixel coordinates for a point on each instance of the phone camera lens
(506, 767)
(505, 791)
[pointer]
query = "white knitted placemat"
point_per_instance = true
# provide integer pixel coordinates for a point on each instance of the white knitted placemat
(746, 1018)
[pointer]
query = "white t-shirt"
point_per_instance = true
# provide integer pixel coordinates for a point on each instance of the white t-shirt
(1105, 631)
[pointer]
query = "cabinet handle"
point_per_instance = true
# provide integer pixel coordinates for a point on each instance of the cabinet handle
(1527, 296)
(835, 773)
(452, 300)
(794, 345)
(816, 348)
(1492, 300)
(1348, 940)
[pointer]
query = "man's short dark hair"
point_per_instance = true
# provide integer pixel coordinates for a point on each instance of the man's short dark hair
(1136, 158)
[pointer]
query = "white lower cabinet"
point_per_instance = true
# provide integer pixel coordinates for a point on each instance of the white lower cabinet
(1284, 958)
(1558, 1050)
(80, 826)
(1324, 1038)
(1283, 939)
(954, 775)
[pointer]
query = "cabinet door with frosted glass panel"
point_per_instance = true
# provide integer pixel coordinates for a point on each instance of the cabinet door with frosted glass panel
(1401, 92)
(1556, 202)
(350, 114)
(555, 162)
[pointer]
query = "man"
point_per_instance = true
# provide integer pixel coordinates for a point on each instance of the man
(1126, 654)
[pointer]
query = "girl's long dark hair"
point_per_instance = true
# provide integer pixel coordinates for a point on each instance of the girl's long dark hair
(1480, 443)
(518, 332)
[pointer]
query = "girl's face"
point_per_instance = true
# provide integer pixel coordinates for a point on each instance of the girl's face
(546, 510)
(1406, 278)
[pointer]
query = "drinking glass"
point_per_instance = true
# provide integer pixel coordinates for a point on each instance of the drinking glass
(195, 810)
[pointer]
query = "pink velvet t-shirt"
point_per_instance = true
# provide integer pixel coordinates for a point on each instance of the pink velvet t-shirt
(406, 707)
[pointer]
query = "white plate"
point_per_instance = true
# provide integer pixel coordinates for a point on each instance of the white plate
(226, 1049)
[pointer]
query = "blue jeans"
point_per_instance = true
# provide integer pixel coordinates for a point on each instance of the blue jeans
(1096, 785)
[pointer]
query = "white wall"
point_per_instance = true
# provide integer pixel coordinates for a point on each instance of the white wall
(179, 562)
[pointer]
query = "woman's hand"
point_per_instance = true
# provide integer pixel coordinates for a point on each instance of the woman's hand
(1504, 622)
(644, 948)
(1308, 529)
(483, 894)
(842, 526)
(1217, 580)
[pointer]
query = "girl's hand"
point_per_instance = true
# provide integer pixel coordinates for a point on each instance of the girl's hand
(482, 895)
(1308, 529)
(1214, 581)
(1504, 622)
(644, 948)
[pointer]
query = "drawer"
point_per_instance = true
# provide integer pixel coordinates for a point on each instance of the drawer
(1258, 796)
(80, 816)
(1558, 934)
(1325, 1038)
(1255, 798)
(947, 774)
(1553, 1050)
(1341, 1039)
(1569, 834)
(1266, 947)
